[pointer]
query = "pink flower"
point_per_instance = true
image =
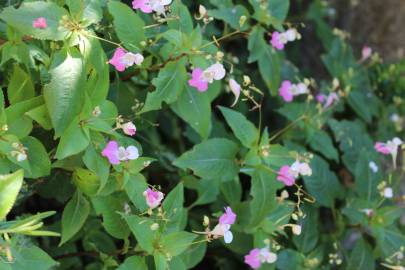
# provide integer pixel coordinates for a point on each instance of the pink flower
(253, 259)
(116, 60)
(129, 128)
(116, 153)
(366, 52)
(285, 176)
(276, 41)
(235, 89)
(223, 230)
(197, 80)
(153, 198)
(214, 72)
(143, 5)
(332, 98)
(228, 217)
(320, 98)
(40, 23)
(111, 152)
(382, 148)
(285, 91)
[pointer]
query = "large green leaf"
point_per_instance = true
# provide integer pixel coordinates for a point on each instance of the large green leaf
(177, 242)
(309, 236)
(269, 67)
(10, 185)
(321, 142)
(361, 257)
(40, 164)
(73, 141)
(96, 163)
(20, 86)
(29, 257)
(23, 17)
(141, 228)
(323, 183)
(64, 94)
(133, 262)
(128, 25)
(173, 205)
(231, 15)
(194, 108)
(169, 85)
(243, 129)
(74, 216)
(211, 159)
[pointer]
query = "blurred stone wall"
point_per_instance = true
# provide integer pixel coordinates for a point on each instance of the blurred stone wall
(377, 23)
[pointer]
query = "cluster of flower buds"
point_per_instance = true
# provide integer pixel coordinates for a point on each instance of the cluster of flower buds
(19, 152)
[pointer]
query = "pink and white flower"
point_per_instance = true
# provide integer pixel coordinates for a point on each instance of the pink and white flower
(197, 81)
(288, 174)
(222, 229)
(116, 153)
(289, 90)
(129, 128)
(153, 198)
(389, 148)
(39, 23)
(285, 175)
(366, 53)
(201, 78)
(278, 40)
(257, 257)
(148, 6)
(123, 59)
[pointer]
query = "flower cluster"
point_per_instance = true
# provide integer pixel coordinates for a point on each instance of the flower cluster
(257, 257)
(278, 40)
(149, 6)
(123, 59)
(289, 90)
(201, 78)
(116, 153)
(288, 174)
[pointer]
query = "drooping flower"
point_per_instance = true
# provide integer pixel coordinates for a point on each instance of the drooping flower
(153, 198)
(39, 23)
(123, 59)
(235, 89)
(129, 128)
(214, 72)
(332, 97)
(276, 41)
(143, 5)
(366, 52)
(257, 257)
(228, 217)
(116, 153)
(285, 176)
(285, 91)
(197, 80)
(300, 168)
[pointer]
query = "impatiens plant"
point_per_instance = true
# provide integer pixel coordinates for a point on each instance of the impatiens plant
(176, 134)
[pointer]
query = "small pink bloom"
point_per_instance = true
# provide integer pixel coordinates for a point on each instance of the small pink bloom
(285, 91)
(116, 60)
(382, 148)
(197, 81)
(366, 52)
(332, 98)
(228, 217)
(214, 72)
(235, 89)
(111, 152)
(129, 128)
(276, 41)
(285, 176)
(40, 23)
(253, 258)
(320, 98)
(143, 5)
(153, 198)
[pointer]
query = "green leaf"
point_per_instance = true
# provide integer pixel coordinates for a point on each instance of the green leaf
(113, 223)
(264, 194)
(366, 180)
(74, 216)
(269, 67)
(256, 44)
(140, 227)
(185, 22)
(10, 185)
(193, 255)
(86, 181)
(210, 159)
(231, 15)
(96, 163)
(389, 239)
(321, 142)
(173, 205)
(309, 236)
(169, 86)
(64, 94)
(133, 262)
(243, 129)
(23, 17)
(194, 108)
(31, 257)
(323, 183)
(40, 164)
(134, 187)
(20, 86)
(361, 257)
(160, 261)
(128, 25)
(73, 141)
(41, 116)
(177, 242)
